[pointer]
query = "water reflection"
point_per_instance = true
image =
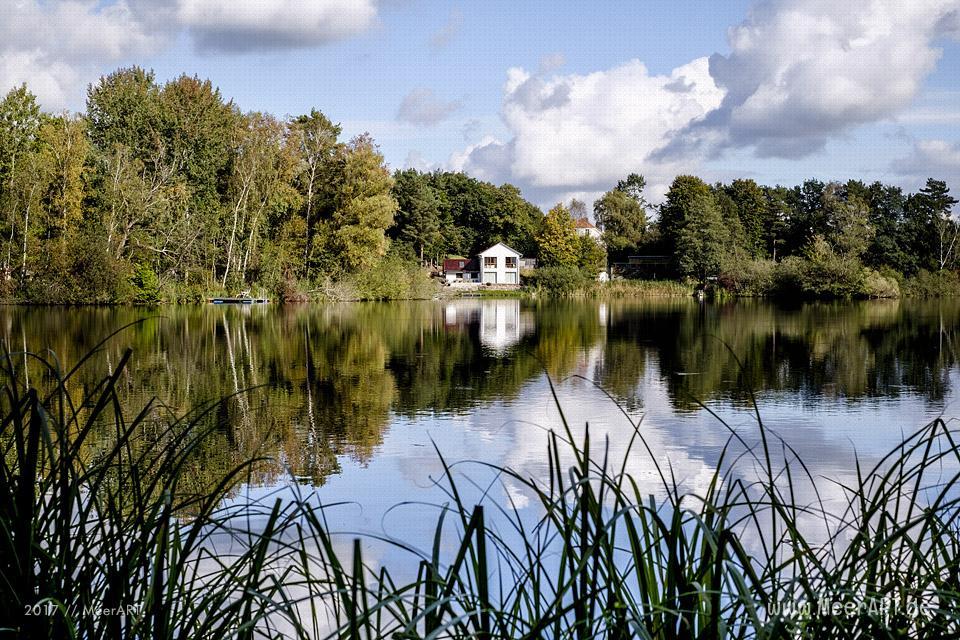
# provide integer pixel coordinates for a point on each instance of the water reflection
(337, 388)
(501, 323)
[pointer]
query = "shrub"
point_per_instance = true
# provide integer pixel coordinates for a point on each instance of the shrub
(822, 273)
(877, 285)
(146, 285)
(749, 277)
(290, 289)
(396, 276)
(933, 284)
(829, 274)
(558, 281)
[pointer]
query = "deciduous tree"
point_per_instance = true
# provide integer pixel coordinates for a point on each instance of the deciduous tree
(364, 207)
(557, 241)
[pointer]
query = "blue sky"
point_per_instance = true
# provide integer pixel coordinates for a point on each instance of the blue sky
(561, 98)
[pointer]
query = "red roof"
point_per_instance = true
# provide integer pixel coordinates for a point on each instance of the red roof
(583, 223)
(461, 264)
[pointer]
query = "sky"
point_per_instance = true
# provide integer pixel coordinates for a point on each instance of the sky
(560, 98)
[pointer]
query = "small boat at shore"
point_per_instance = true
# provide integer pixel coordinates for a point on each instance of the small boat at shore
(239, 300)
(243, 298)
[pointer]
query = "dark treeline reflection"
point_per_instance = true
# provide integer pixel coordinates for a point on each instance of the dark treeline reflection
(310, 384)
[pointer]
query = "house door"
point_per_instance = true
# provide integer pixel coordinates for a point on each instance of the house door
(490, 277)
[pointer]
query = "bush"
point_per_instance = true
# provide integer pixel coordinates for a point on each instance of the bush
(146, 285)
(823, 273)
(933, 284)
(749, 277)
(396, 276)
(558, 281)
(76, 270)
(878, 285)
(290, 289)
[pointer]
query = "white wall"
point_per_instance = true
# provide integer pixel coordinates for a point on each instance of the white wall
(500, 274)
(451, 276)
(593, 232)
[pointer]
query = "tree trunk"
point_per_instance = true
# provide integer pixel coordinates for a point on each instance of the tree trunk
(233, 232)
(309, 242)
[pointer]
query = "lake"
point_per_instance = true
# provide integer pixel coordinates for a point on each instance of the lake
(353, 401)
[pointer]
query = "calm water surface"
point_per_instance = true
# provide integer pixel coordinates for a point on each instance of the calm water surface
(350, 400)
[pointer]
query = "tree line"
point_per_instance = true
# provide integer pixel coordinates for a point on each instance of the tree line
(170, 188)
(169, 191)
(820, 239)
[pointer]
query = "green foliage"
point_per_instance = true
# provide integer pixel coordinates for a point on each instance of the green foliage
(847, 222)
(822, 273)
(753, 213)
(750, 277)
(633, 186)
(622, 218)
(472, 215)
(933, 232)
(314, 138)
(933, 284)
(20, 121)
(557, 280)
(591, 257)
(363, 208)
(557, 241)
(692, 219)
(829, 273)
(215, 200)
(418, 213)
(124, 110)
(395, 276)
(146, 285)
(621, 288)
(878, 285)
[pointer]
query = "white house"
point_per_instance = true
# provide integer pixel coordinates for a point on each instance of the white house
(498, 264)
(584, 227)
(461, 270)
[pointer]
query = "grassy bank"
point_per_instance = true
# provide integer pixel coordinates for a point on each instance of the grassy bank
(100, 513)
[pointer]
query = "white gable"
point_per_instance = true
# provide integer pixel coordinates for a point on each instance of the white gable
(499, 264)
(500, 249)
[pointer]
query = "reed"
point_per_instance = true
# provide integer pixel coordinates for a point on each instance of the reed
(97, 517)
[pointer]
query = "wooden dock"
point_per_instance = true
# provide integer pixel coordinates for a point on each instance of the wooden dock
(239, 300)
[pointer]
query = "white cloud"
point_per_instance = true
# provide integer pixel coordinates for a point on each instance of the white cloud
(58, 47)
(584, 132)
(415, 160)
(799, 73)
(938, 159)
(802, 72)
(422, 107)
(243, 25)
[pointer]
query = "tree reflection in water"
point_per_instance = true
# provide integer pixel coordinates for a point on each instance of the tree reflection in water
(310, 385)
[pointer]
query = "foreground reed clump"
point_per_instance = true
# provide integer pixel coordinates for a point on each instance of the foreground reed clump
(102, 535)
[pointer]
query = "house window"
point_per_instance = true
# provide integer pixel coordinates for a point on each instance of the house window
(490, 261)
(461, 264)
(511, 262)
